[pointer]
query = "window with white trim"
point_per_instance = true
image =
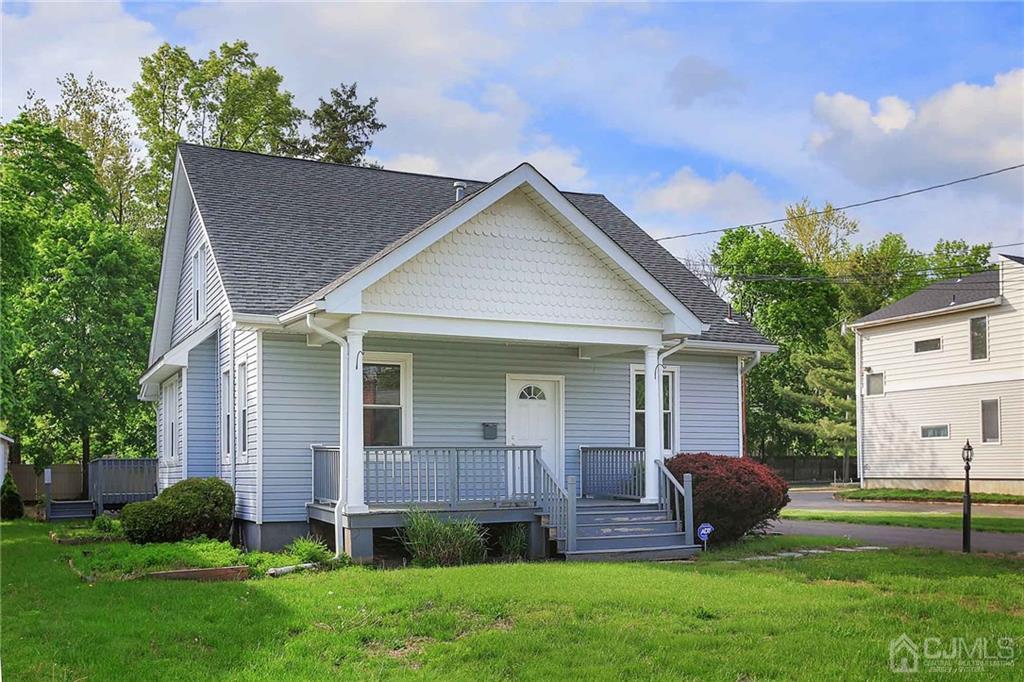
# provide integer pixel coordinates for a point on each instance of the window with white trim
(928, 345)
(935, 431)
(387, 398)
(225, 409)
(875, 383)
(979, 338)
(242, 409)
(638, 403)
(199, 285)
(990, 421)
(169, 406)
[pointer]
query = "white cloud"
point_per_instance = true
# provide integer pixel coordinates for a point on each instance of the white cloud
(962, 130)
(732, 198)
(48, 40)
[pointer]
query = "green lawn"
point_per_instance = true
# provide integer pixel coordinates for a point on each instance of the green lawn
(901, 495)
(822, 617)
(922, 519)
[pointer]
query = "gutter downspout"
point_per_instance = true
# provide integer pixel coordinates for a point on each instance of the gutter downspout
(751, 364)
(312, 325)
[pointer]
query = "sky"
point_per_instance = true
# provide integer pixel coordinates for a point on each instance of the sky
(688, 116)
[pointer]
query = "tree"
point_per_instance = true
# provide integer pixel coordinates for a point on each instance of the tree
(343, 129)
(822, 236)
(880, 273)
(93, 115)
(957, 258)
(86, 324)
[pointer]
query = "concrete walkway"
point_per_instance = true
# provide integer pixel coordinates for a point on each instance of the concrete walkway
(896, 536)
(823, 500)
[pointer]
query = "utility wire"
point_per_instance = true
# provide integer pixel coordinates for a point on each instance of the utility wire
(855, 205)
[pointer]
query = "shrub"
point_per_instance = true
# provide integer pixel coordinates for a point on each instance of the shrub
(514, 541)
(309, 550)
(11, 506)
(107, 525)
(195, 507)
(432, 542)
(733, 494)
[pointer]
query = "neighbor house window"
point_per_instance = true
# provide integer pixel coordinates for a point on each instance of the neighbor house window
(876, 383)
(927, 345)
(990, 421)
(979, 338)
(387, 411)
(243, 408)
(935, 431)
(225, 408)
(170, 410)
(199, 285)
(668, 402)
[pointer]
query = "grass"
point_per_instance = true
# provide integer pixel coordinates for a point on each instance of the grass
(822, 617)
(901, 495)
(951, 520)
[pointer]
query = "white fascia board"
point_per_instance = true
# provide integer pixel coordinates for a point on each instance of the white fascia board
(256, 321)
(973, 305)
(505, 330)
(727, 347)
(177, 358)
(347, 298)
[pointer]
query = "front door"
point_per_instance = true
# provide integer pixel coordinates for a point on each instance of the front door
(534, 407)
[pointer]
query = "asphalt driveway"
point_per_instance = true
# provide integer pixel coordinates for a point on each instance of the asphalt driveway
(896, 536)
(823, 499)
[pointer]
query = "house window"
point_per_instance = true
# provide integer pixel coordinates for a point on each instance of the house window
(199, 285)
(990, 421)
(225, 408)
(387, 397)
(876, 383)
(532, 392)
(935, 431)
(243, 408)
(927, 345)
(170, 410)
(979, 338)
(668, 409)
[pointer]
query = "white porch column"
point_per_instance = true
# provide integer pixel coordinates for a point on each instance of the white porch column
(339, 506)
(353, 435)
(652, 422)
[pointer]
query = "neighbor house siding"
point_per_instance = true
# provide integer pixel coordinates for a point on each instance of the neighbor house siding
(202, 409)
(458, 385)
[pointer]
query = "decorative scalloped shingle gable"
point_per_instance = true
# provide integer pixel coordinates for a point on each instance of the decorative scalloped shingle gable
(512, 262)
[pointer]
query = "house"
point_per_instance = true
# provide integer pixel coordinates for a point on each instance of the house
(938, 368)
(341, 343)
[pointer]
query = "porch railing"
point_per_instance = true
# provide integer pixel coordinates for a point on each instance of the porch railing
(612, 472)
(676, 499)
(118, 481)
(448, 477)
(556, 502)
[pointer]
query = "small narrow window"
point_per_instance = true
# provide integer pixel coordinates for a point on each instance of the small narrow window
(170, 410)
(927, 345)
(876, 383)
(979, 338)
(935, 431)
(532, 392)
(667, 411)
(990, 421)
(225, 408)
(243, 408)
(199, 285)
(382, 404)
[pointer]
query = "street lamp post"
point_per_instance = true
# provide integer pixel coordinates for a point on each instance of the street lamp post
(968, 455)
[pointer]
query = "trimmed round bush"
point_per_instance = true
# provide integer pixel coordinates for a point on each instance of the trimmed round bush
(11, 506)
(188, 509)
(733, 494)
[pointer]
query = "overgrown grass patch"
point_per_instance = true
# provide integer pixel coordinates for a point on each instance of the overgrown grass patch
(923, 519)
(904, 495)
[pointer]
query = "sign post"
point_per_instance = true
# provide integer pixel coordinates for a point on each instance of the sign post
(704, 531)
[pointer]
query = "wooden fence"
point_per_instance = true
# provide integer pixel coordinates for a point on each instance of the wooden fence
(802, 469)
(66, 483)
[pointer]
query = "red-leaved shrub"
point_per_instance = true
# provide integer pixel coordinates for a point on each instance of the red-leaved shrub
(734, 495)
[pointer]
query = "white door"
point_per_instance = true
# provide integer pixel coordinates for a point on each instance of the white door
(534, 417)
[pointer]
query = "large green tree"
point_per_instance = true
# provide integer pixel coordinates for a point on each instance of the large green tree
(342, 128)
(821, 235)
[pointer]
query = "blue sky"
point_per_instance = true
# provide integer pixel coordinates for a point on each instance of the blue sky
(688, 116)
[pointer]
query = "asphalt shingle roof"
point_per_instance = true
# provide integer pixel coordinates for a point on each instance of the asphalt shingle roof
(940, 295)
(281, 229)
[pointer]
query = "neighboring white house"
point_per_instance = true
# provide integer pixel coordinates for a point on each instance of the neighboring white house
(936, 369)
(6, 443)
(390, 339)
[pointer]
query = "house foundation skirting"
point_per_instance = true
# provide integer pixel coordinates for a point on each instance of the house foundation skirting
(269, 537)
(978, 485)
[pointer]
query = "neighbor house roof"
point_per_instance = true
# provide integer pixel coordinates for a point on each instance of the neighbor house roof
(282, 229)
(940, 296)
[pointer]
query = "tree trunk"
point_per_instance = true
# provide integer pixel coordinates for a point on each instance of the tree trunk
(85, 463)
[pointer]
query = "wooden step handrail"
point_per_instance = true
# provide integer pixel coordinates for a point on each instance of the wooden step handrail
(668, 485)
(556, 501)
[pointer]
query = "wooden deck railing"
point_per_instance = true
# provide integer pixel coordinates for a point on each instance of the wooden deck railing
(326, 473)
(677, 499)
(612, 472)
(119, 481)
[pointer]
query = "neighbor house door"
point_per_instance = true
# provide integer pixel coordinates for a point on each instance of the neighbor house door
(534, 416)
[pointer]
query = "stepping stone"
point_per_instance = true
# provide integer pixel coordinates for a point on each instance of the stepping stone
(789, 554)
(845, 549)
(869, 548)
(817, 551)
(759, 558)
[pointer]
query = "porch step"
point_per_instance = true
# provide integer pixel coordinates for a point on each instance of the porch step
(634, 541)
(613, 506)
(602, 530)
(627, 515)
(669, 553)
(72, 509)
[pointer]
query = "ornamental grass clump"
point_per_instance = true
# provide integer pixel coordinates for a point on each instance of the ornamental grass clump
(309, 550)
(514, 541)
(433, 542)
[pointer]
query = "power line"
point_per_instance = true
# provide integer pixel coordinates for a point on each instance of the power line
(855, 205)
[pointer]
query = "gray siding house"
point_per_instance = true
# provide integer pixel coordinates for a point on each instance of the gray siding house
(341, 343)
